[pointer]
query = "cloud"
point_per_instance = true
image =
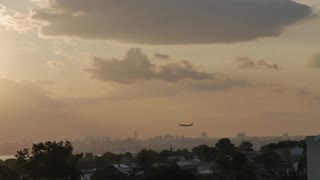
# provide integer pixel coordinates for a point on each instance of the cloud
(315, 61)
(15, 21)
(277, 115)
(317, 98)
(248, 63)
(55, 64)
(169, 21)
(219, 83)
(136, 76)
(41, 3)
(304, 92)
(45, 82)
(137, 66)
(155, 89)
(161, 56)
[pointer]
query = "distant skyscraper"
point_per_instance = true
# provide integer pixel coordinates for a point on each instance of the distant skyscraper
(135, 135)
(313, 157)
(204, 135)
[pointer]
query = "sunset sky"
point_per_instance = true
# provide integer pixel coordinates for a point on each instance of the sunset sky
(74, 68)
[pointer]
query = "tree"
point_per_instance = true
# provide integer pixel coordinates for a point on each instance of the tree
(283, 145)
(53, 160)
(8, 174)
(108, 158)
(225, 146)
(235, 166)
(246, 146)
(12, 164)
(269, 157)
(108, 172)
(205, 153)
(170, 173)
(128, 156)
(146, 159)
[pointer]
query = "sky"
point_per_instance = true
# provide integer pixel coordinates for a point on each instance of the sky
(75, 68)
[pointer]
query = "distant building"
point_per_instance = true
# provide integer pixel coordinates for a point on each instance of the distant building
(204, 135)
(313, 157)
(242, 136)
(135, 135)
(285, 136)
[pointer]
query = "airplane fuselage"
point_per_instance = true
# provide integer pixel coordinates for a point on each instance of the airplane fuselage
(186, 125)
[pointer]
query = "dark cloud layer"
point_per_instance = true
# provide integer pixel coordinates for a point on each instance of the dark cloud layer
(170, 21)
(248, 63)
(137, 66)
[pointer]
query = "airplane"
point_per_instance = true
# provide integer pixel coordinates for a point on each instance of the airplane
(186, 125)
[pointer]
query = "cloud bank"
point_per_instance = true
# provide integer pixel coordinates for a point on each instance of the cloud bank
(141, 77)
(15, 21)
(248, 63)
(55, 64)
(137, 66)
(169, 21)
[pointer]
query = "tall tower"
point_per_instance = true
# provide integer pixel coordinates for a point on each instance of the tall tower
(135, 135)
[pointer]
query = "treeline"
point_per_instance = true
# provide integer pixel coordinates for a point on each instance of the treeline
(224, 161)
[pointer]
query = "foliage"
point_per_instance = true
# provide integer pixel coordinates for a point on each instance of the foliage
(50, 160)
(145, 160)
(268, 158)
(234, 166)
(170, 173)
(109, 172)
(205, 153)
(55, 161)
(283, 145)
(246, 146)
(225, 146)
(8, 174)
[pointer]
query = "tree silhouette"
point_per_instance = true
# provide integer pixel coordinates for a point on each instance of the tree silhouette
(205, 153)
(108, 172)
(234, 167)
(225, 146)
(52, 160)
(8, 174)
(145, 160)
(246, 146)
(170, 173)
